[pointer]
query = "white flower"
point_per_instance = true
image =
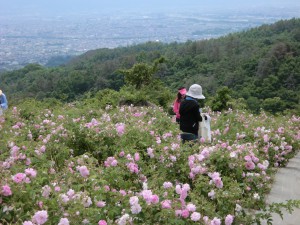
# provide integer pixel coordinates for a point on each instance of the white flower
(86, 201)
(266, 163)
(145, 186)
(233, 155)
(238, 208)
(134, 200)
(256, 196)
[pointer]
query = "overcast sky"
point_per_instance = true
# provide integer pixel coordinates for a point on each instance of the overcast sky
(74, 6)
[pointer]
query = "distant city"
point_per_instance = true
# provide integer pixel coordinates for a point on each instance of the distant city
(29, 38)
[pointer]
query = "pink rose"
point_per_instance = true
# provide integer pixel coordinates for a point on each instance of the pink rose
(19, 177)
(84, 171)
(6, 190)
(102, 222)
(40, 217)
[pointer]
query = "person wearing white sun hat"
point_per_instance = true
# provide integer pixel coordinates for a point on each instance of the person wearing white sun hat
(195, 91)
(190, 113)
(3, 102)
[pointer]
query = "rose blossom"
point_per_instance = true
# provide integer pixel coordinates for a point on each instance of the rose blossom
(185, 213)
(40, 217)
(136, 208)
(229, 219)
(167, 185)
(166, 204)
(195, 216)
(27, 223)
(249, 165)
(216, 221)
(84, 171)
(100, 204)
(6, 191)
(19, 177)
(102, 222)
(120, 127)
(64, 221)
(30, 172)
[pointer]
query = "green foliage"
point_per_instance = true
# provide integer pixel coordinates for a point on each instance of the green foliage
(273, 105)
(221, 101)
(141, 74)
(257, 64)
(28, 108)
(130, 95)
(108, 97)
(51, 102)
(254, 104)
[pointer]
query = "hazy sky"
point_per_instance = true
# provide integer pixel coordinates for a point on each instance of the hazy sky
(75, 6)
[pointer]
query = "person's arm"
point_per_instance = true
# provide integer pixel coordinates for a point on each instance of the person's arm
(197, 113)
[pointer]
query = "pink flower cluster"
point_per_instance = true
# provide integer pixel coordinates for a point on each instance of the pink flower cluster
(30, 172)
(6, 191)
(195, 162)
(150, 152)
(110, 161)
(64, 221)
(91, 124)
(120, 127)
(166, 204)
(134, 205)
(216, 179)
(149, 197)
(20, 178)
(182, 191)
(250, 165)
(84, 171)
(167, 185)
(101, 204)
(102, 222)
(40, 217)
(133, 167)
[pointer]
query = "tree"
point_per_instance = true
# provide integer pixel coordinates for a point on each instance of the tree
(141, 74)
(254, 104)
(220, 102)
(273, 105)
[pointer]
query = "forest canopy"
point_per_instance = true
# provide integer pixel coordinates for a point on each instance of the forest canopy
(261, 66)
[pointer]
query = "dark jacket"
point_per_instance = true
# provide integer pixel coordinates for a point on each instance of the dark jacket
(189, 116)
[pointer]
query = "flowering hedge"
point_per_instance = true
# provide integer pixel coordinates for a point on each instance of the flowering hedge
(78, 164)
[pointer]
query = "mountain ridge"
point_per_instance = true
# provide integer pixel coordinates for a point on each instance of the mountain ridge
(260, 64)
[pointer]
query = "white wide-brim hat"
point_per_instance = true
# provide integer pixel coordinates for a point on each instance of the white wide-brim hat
(195, 91)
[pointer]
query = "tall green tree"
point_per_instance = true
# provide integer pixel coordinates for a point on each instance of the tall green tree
(221, 100)
(141, 74)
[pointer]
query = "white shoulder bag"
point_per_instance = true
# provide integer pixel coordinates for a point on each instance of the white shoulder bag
(204, 128)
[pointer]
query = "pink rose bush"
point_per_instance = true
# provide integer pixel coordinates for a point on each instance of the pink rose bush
(126, 165)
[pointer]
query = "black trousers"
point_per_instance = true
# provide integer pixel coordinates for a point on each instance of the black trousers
(188, 137)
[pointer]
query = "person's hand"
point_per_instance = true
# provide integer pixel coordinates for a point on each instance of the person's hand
(204, 116)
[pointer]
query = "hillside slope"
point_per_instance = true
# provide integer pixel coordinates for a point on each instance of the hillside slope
(261, 65)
